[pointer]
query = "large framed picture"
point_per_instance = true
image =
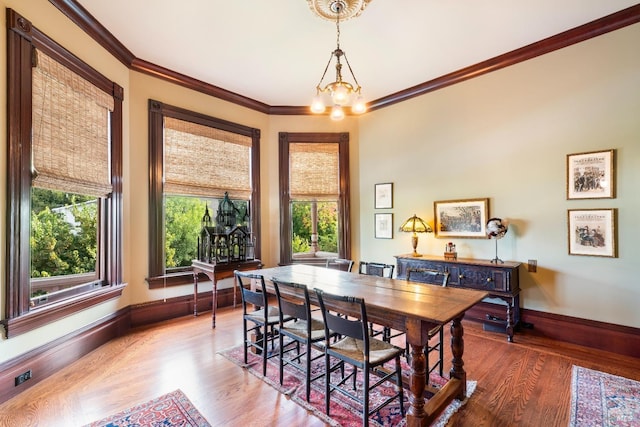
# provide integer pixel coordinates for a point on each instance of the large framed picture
(384, 195)
(591, 175)
(461, 218)
(592, 232)
(384, 226)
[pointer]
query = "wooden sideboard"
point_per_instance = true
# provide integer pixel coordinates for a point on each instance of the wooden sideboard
(499, 279)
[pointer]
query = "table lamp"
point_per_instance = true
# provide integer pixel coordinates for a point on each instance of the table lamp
(415, 225)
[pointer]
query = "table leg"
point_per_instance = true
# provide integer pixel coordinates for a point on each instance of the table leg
(214, 300)
(195, 294)
(510, 321)
(417, 383)
(457, 349)
(417, 339)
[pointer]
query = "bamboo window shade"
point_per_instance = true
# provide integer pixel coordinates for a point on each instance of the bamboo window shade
(314, 171)
(71, 131)
(205, 161)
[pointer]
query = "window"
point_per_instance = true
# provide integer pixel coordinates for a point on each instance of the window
(314, 197)
(64, 174)
(194, 160)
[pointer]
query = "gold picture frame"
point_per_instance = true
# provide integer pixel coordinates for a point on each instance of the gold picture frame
(592, 232)
(461, 218)
(591, 175)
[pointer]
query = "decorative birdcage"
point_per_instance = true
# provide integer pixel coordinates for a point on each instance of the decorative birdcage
(226, 241)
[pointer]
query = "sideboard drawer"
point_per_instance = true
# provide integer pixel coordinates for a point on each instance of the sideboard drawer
(486, 279)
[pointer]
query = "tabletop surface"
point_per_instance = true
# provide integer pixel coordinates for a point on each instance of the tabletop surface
(431, 303)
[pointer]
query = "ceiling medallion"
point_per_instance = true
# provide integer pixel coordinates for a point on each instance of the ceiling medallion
(328, 9)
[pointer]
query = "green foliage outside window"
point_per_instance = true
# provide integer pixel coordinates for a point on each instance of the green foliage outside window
(63, 233)
(327, 226)
(182, 218)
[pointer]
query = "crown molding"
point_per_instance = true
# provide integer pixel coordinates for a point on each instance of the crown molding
(83, 19)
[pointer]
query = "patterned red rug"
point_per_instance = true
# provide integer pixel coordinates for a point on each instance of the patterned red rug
(601, 399)
(170, 410)
(344, 411)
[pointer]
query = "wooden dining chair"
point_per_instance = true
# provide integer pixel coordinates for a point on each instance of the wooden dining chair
(359, 350)
(339, 264)
(293, 302)
(376, 269)
(439, 278)
(380, 270)
(258, 317)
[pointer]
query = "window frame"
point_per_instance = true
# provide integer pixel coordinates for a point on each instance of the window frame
(158, 277)
(19, 317)
(344, 227)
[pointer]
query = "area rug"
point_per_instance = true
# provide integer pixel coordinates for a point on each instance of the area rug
(601, 399)
(170, 410)
(344, 411)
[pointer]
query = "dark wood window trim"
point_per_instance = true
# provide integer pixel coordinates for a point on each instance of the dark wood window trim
(19, 317)
(157, 111)
(285, 138)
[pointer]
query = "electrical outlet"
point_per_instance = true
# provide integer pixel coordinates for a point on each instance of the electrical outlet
(532, 265)
(23, 377)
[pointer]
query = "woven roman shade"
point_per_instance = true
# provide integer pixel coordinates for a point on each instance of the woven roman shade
(71, 140)
(205, 161)
(314, 171)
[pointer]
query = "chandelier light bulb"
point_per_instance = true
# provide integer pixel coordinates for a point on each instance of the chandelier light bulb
(340, 95)
(359, 106)
(337, 113)
(317, 105)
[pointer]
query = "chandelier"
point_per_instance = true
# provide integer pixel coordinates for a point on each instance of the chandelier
(342, 93)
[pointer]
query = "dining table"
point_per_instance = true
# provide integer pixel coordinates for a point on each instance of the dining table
(411, 307)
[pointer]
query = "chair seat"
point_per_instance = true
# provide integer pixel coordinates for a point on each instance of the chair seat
(273, 315)
(299, 329)
(379, 351)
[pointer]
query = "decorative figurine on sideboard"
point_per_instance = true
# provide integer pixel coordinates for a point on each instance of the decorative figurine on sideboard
(450, 251)
(229, 240)
(496, 229)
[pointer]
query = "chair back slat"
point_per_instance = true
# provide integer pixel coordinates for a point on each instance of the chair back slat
(257, 298)
(339, 264)
(376, 269)
(345, 315)
(290, 305)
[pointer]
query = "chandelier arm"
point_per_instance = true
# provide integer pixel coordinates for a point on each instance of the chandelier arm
(351, 71)
(325, 73)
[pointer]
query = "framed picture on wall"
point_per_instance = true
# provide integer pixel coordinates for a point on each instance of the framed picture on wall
(461, 218)
(384, 196)
(384, 226)
(592, 232)
(591, 175)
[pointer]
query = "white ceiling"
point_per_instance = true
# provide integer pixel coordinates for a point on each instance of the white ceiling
(274, 51)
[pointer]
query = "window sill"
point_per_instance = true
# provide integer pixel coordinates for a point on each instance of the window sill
(39, 317)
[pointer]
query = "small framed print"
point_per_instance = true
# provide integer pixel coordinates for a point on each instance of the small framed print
(384, 196)
(384, 226)
(591, 175)
(461, 218)
(592, 232)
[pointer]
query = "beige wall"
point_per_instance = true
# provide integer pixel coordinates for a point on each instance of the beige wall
(502, 136)
(505, 136)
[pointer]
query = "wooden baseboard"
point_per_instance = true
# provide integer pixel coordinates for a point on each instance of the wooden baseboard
(53, 356)
(157, 311)
(618, 339)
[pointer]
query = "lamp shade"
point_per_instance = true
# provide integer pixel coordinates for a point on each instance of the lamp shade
(415, 225)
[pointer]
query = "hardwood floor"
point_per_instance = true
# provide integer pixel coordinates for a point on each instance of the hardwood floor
(525, 383)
